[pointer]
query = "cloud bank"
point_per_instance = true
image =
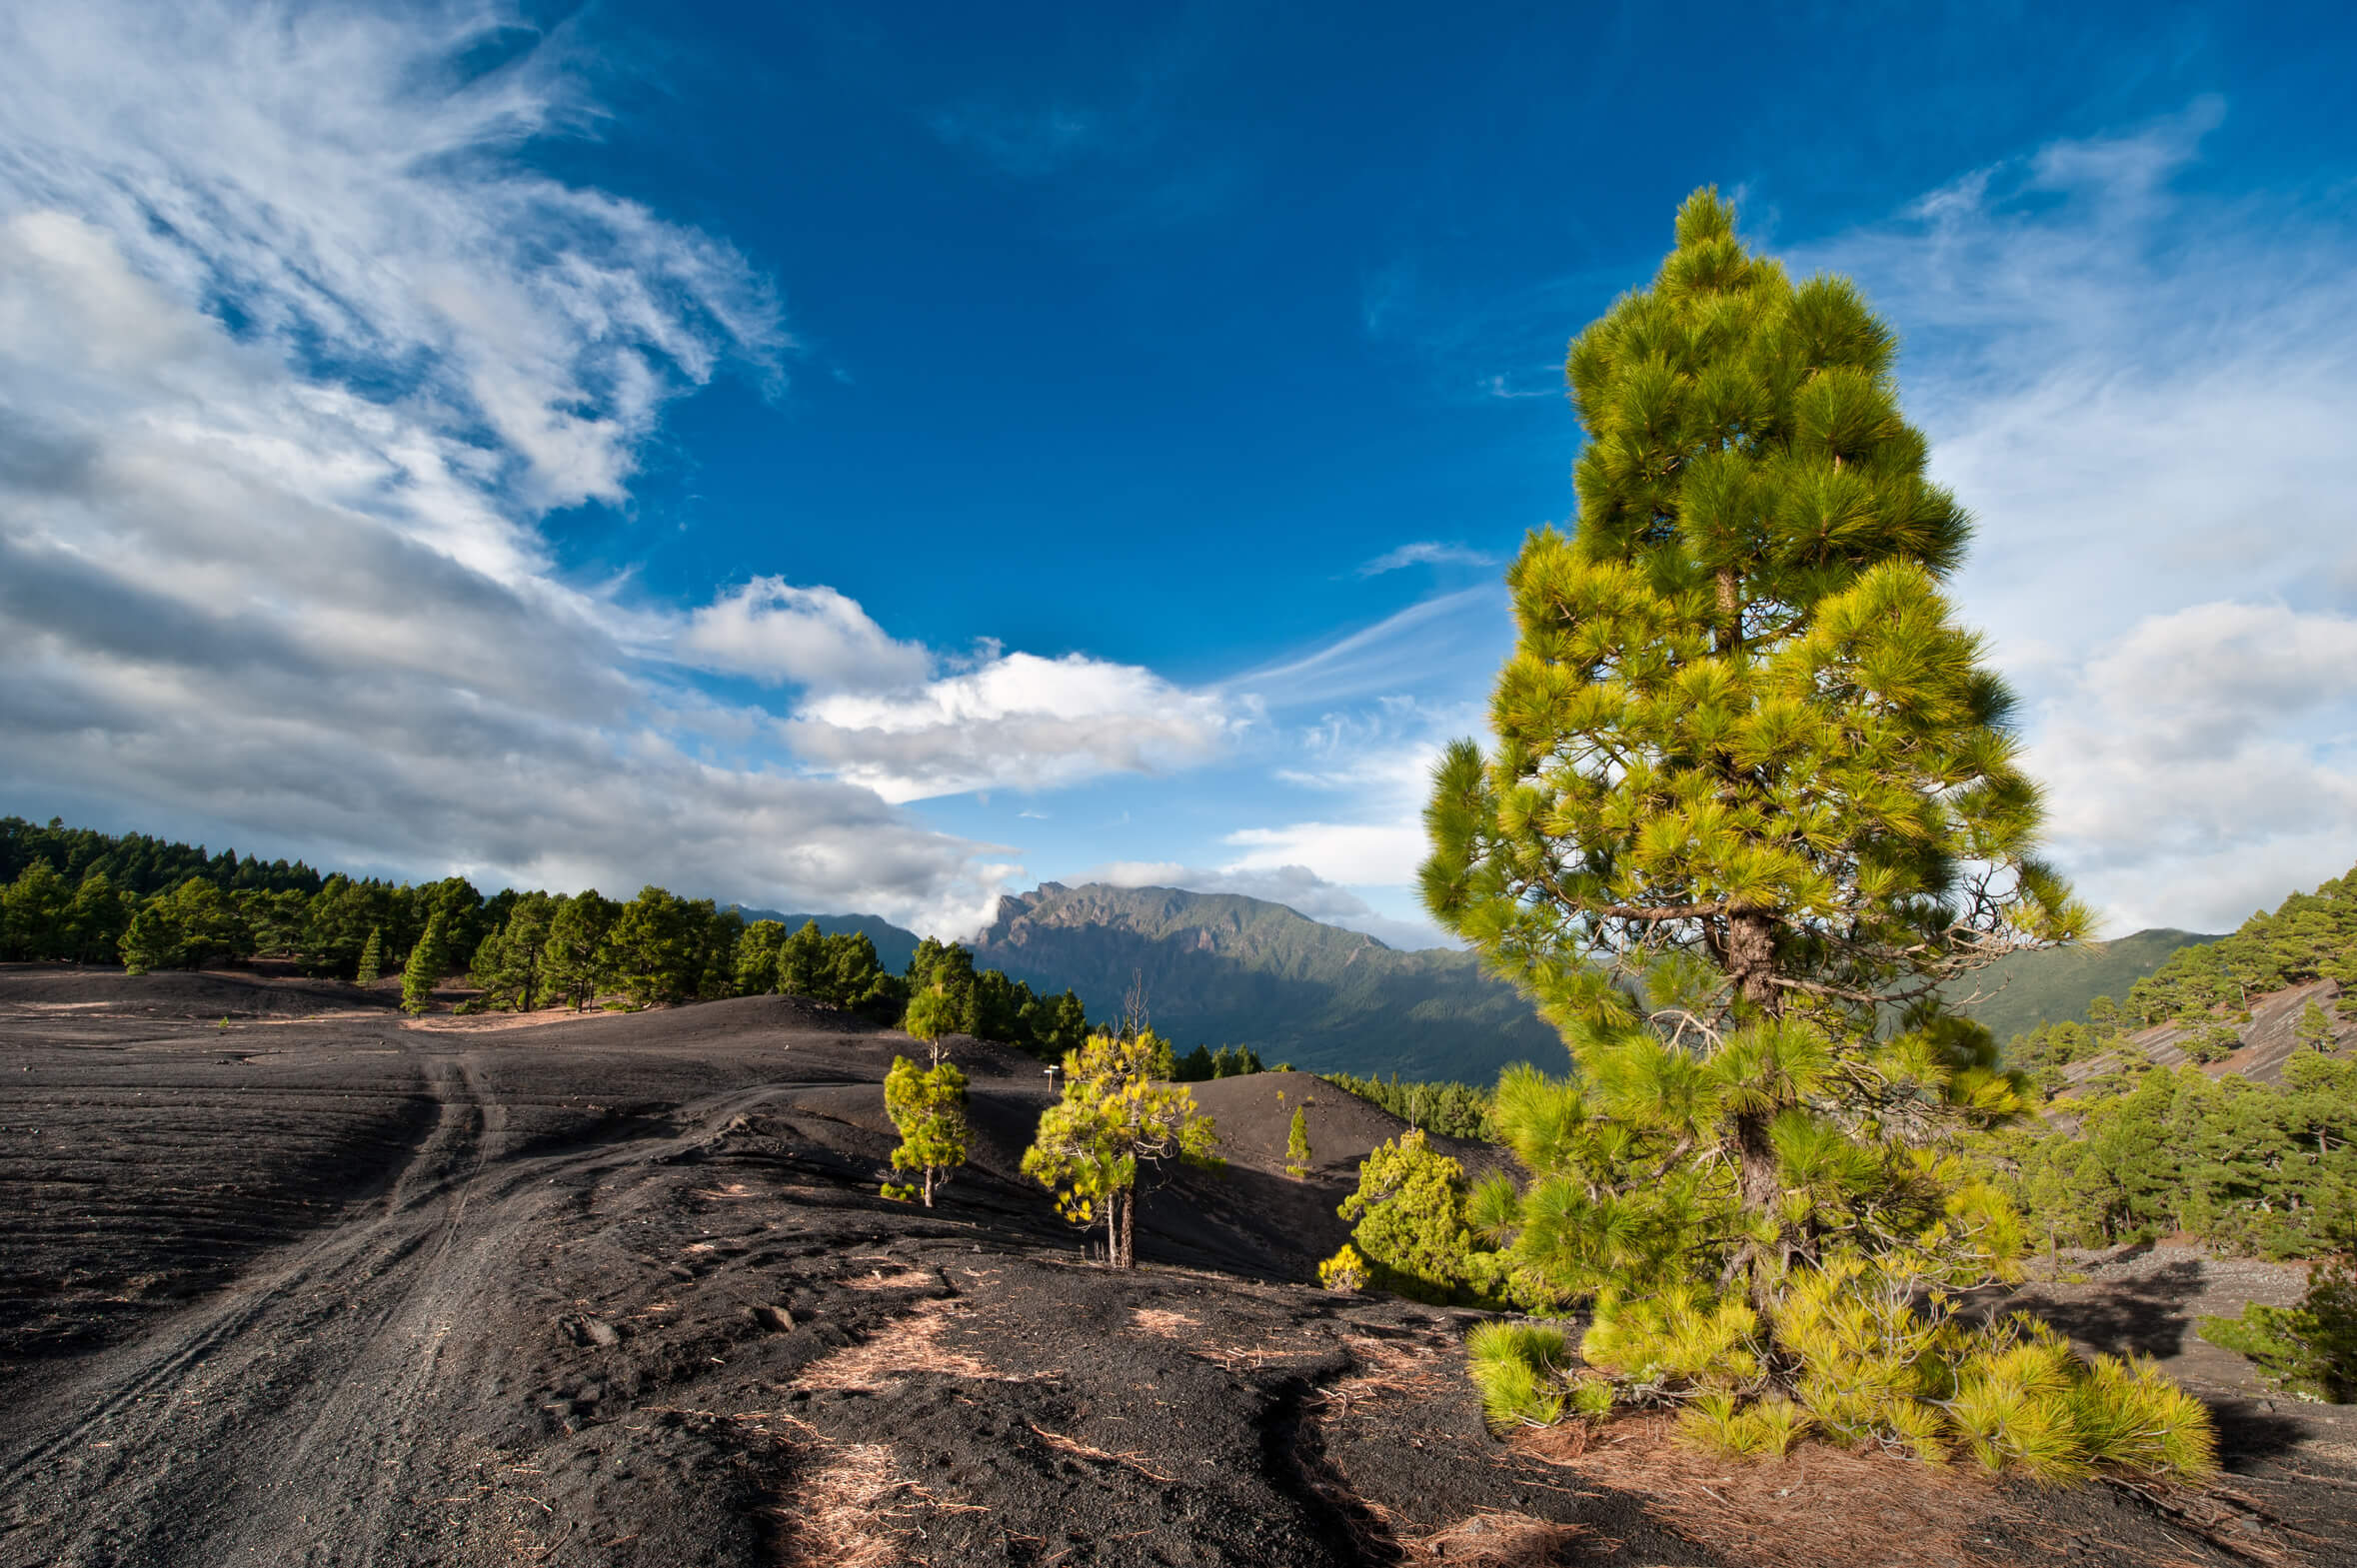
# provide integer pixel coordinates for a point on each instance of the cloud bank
(297, 352)
(2139, 390)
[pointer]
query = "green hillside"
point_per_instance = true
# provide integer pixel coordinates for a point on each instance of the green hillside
(1224, 970)
(2054, 985)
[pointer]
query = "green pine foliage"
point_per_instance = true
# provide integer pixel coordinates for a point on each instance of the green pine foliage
(1422, 1230)
(2310, 936)
(928, 1105)
(573, 964)
(989, 1005)
(1202, 1063)
(193, 927)
(756, 961)
(840, 971)
(150, 941)
(2246, 1167)
(1863, 1365)
(511, 965)
(2309, 1348)
(1522, 1372)
(429, 960)
(74, 894)
(933, 1013)
(1296, 1144)
(36, 913)
(1454, 1110)
(1753, 799)
(666, 949)
(140, 865)
(1119, 1115)
(1345, 1271)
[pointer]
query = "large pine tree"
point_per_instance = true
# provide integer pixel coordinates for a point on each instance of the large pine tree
(1752, 799)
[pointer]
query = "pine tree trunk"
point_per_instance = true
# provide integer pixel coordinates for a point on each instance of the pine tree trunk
(1750, 957)
(1129, 1214)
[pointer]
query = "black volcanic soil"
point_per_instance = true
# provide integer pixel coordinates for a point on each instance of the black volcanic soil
(285, 1278)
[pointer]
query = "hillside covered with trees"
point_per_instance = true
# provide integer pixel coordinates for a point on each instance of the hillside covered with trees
(79, 895)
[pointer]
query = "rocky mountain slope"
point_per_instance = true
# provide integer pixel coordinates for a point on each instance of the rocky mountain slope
(1220, 969)
(2268, 1039)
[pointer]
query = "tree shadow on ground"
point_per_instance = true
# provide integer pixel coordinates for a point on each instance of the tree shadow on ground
(2249, 1431)
(2135, 1316)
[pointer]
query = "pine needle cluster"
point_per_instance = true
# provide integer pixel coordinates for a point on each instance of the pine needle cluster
(1871, 1373)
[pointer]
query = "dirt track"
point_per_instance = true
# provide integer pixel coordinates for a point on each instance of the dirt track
(315, 1286)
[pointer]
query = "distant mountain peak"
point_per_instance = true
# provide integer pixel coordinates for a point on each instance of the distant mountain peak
(1228, 968)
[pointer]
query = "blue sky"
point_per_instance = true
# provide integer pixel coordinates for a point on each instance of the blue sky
(878, 457)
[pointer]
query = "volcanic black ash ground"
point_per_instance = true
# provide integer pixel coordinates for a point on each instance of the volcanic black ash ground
(287, 1279)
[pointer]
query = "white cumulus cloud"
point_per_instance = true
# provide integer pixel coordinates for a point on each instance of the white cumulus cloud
(813, 636)
(2205, 763)
(2139, 389)
(1018, 720)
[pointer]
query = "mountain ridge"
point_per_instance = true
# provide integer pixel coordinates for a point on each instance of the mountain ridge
(2054, 985)
(1225, 969)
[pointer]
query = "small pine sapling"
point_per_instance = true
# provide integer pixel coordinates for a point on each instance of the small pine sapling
(423, 972)
(372, 957)
(933, 1013)
(1521, 1371)
(2314, 1030)
(1296, 1146)
(1119, 1113)
(928, 1105)
(1419, 1230)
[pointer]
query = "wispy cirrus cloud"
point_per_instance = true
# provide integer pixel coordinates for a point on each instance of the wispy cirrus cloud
(1027, 143)
(2138, 388)
(1451, 643)
(1426, 553)
(298, 352)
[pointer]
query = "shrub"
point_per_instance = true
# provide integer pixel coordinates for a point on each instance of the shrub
(1345, 1270)
(1520, 1370)
(1410, 1209)
(2309, 1349)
